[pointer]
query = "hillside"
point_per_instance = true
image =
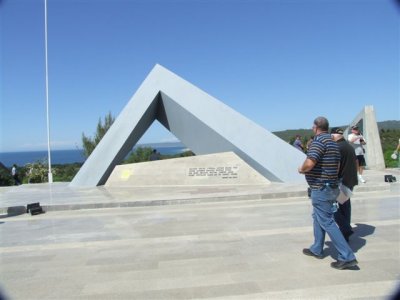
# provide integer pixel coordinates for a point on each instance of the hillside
(389, 133)
(289, 135)
(392, 124)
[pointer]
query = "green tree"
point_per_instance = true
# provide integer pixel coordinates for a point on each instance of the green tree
(139, 155)
(5, 176)
(389, 142)
(37, 172)
(185, 154)
(65, 172)
(90, 143)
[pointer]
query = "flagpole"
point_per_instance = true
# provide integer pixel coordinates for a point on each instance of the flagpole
(50, 175)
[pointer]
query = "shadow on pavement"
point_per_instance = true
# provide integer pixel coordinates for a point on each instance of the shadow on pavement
(357, 241)
(14, 211)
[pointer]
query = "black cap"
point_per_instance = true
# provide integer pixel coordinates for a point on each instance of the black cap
(337, 130)
(354, 127)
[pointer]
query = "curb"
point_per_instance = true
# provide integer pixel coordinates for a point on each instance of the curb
(17, 210)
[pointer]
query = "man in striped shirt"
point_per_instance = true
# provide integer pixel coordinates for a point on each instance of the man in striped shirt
(321, 169)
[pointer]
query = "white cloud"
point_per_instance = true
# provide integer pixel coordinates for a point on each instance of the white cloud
(169, 139)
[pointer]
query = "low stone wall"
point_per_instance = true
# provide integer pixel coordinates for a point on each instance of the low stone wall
(213, 169)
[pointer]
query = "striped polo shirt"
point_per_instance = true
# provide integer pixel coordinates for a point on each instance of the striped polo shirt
(325, 152)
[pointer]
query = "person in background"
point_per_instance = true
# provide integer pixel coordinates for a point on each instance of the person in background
(298, 144)
(321, 169)
(154, 155)
(14, 174)
(348, 177)
(356, 139)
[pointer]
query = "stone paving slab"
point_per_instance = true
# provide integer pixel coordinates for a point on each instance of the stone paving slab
(244, 249)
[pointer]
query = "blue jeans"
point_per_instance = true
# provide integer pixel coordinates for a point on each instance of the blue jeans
(322, 202)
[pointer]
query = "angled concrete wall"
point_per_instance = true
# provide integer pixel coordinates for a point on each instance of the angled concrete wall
(373, 149)
(201, 170)
(201, 122)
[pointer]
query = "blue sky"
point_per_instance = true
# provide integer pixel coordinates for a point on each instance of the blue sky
(279, 63)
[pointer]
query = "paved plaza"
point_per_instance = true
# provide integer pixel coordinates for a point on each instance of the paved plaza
(192, 243)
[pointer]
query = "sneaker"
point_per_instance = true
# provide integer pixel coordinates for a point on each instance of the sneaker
(308, 252)
(360, 178)
(341, 265)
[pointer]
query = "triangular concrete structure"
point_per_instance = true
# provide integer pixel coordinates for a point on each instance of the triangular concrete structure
(366, 120)
(201, 122)
(217, 169)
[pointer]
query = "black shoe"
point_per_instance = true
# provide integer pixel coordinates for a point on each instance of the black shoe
(308, 252)
(341, 265)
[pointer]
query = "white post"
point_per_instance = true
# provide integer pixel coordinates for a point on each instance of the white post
(50, 175)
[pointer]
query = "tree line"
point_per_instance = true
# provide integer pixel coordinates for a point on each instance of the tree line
(36, 172)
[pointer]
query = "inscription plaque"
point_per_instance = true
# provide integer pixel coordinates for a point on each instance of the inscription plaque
(227, 172)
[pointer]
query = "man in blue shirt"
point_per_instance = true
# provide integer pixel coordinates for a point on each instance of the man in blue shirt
(321, 170)
(298, 144)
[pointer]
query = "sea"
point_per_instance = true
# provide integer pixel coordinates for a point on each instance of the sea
(62, 156)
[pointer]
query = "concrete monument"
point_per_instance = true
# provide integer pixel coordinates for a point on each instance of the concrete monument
(211, 169)
(201, 122)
